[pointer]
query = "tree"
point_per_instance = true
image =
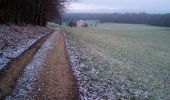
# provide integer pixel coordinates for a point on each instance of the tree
(36, 12)
(132, 18)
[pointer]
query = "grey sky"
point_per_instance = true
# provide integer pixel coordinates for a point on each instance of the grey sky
(110, 6)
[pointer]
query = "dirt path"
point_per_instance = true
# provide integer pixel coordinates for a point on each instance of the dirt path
(56, 81)
(14, 69)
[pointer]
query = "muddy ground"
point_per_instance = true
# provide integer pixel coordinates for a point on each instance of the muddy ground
(41, 72)
(56, 80)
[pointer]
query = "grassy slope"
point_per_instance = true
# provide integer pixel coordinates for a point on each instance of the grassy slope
(141, 52)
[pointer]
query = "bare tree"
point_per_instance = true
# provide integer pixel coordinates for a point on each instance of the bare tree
(36, 12)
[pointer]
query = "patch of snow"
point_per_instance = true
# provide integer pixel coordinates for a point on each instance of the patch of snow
(15, 52)
(14, 40)
(26, 83)
(3, 61)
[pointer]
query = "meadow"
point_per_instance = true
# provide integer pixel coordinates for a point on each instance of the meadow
(141, 52)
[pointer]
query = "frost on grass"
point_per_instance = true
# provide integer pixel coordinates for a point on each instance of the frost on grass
(25, 87)
(14, 40)
(97, 79)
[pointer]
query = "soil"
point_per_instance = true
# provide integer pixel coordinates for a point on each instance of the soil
(14, 69)
(56, 80)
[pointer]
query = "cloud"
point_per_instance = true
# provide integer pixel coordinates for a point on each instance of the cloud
(110, 6)
(81, 7)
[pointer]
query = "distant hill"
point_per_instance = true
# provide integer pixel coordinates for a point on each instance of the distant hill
(132, 18)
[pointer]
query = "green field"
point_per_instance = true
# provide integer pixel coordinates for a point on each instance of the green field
(142, 52)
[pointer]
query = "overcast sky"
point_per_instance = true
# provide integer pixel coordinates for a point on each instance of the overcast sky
(110, 6)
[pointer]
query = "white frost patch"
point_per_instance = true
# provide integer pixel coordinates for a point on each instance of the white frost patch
(26, 83)
(11, 53)
(3, 62)
(15, 52)
(14, 40)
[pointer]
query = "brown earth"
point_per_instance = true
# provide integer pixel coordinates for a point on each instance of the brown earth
(56, 81)
(14, 69)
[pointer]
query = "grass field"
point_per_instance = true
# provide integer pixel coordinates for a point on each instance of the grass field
(141, 52)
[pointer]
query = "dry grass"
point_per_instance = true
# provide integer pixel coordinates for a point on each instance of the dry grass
(141, 52)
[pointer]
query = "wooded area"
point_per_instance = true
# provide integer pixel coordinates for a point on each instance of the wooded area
(132, 18)
(36, 12)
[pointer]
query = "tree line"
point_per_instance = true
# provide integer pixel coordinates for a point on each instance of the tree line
(36, 12)
(132, 18)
